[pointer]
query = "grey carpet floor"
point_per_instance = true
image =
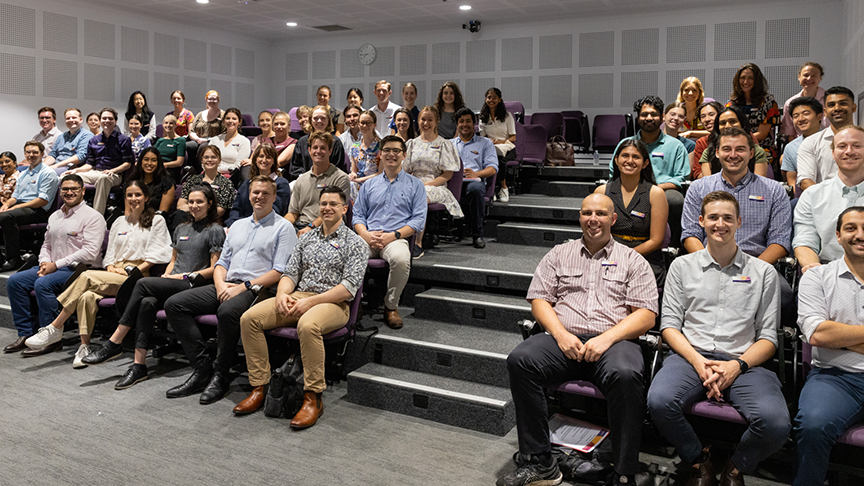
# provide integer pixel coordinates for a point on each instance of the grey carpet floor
(64, 426)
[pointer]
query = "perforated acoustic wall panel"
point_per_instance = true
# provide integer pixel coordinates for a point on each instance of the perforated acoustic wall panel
(194, 88)
(221, 59)
(556, 91)
(244, 63)
(785, 82)
(674, 79)
(166, 50)
(445, 58)
(640, 46)
(163, 85)
(194, 55)
(226, 96)
(59, 79)
(99, 83)
(735, 41)
(517, 54)
(295, 96)
(133, 80)
(17, 26)
(556, 51)
(99, 39)
(385, 63)
(595, 90)
(20, 74)
(296, 66)
(324, 64)
(635, 85)
(787, 38)
(519, 88)
(59, 33)
(685, 43)
(475, 92)
(480, 56)
(244, 98)
(134, 45)
(597, 49)
(349, 64)
(723, 83)
(412, 60)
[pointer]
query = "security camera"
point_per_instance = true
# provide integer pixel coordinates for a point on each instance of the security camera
(473, 26)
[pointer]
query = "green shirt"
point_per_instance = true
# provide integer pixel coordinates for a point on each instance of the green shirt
(171, 149)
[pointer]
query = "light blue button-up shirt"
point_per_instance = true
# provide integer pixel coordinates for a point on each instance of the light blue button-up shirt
(476, 154)
(252, 249)
(39, 181)
(385, 205)
(816, 216)
(668, 159)
(68, 145)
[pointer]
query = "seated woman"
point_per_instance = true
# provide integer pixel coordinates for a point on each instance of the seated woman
(197, 247)
(9, 179)
(225, 192)
(139, 142)
(265, 122)
(692, 95)
(235, 147)
(707, 113)
(140, 239)
(364, 154)
(323, 98)
(303, 113)
(448, 103)
(731, 116)
(301, 161)
(182, 115)
(160, 185)
(264, 163)
(750, 94)
(138, 106)
(351, 126)
(282, 141)
(404, 125)
(172, 147)
(354, 97)
(409, 96)
(206, 124)
(433, 160)
(93, 123)
(498, 125)
(673, 119)
(640, 204)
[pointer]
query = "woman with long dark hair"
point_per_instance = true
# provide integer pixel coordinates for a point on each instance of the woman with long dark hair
(498, 125)
(138, 106)
(731, 116)
(263, 163)
(225, 193)
(152, 172)
(448, 103)
(364, 155)
(354, 97)
(750, 94)
(404, 124)
(197, 246)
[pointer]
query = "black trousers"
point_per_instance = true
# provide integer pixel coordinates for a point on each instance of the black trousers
(9, 222)
(474, 205)
(538, 361)
(148, 296)
(181, 310)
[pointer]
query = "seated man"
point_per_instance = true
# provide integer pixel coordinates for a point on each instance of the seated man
(49, 132)
(807, 115)
(389, 209)
(324, 272)
(815, 161)
(480, 162)
(254, 254)
(668, 157)
(109, 154)
(721, 308)
(815, 241)
(594, 297)
(70, 148)
(75, 234)
(830, 318)
(30, 202)
(303, 207)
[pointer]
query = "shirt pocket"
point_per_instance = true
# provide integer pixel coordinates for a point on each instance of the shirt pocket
(572, 282)
(614, 283)
(743, 295)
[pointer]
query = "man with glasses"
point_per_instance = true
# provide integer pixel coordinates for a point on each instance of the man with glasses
(75, 234)
(29, 204)
(389, 209)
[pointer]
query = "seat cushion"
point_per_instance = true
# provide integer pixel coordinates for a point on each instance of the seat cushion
(716, 410)
(578, 387)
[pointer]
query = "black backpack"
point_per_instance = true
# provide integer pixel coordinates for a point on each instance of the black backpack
(285, 395)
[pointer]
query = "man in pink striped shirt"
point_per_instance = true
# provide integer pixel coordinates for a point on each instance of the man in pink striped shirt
(594, 297)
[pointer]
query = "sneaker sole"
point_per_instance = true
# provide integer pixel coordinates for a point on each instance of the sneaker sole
(548, 482)
(130, 385)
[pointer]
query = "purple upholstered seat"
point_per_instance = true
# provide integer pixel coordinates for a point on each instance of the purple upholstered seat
(208, 319)
(716, 410)
(161, 315)
(107, 302)
(579, 387)
(533, 139)
(608, 131)
(552, 122)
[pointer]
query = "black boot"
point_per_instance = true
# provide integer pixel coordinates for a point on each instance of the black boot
(216, 389)
(196, 382)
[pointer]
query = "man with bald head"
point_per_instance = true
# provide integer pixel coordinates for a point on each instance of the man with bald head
(594, 297)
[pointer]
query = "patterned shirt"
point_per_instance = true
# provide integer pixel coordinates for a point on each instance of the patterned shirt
(223, 188)
(319, 263)
(366, 159)
(593, 293)
(831, 293)
(183, 122)
(140, 144)
(766, 216)
(7, 185)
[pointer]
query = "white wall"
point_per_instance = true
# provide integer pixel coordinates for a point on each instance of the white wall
(853, 50)
(586, 63)
(62, 54)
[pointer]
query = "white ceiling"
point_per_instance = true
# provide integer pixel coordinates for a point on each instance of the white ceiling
(267, 18)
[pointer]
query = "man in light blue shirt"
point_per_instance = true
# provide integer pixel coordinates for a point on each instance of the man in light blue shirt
(480, 163)
(254, 256)
(668, 157)
(69, 149)
(807, 114)
(30, 202)
(390, 208)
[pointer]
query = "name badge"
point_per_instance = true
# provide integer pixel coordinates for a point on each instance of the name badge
(214, 187)
(72, 233)
(609, 263)
(184, 238)
(121, 233)
(335, 245)
(657, 154)
(475, 152)
(170, 145)
(322, 186)
(756, 198)
(435, 147)
(741, 279)
(100, 143)
(637, 214)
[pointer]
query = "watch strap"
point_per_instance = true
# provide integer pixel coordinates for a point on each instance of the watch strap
(743, 364)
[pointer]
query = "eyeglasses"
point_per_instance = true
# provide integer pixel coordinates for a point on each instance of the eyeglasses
(366, 123)
(395, 151)
(70, 189)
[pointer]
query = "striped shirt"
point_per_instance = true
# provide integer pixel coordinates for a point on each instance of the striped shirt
(593, 293)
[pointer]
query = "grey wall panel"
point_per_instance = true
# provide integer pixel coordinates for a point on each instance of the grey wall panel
(635, 85)
(59, 79)
(17, 26)
(385, 63)
(244, 99)
(556, 92)
(412, 60)
(787, 38)
(722, 84)
(518, 88)
(244, 63)
(99, 39)
(475, 92)
(59, 33)
(296, 66)
(221, 59)
(225, 90)
(163, 85)
(595, 90)
(166, 50)
(195, 55)
(349, 64)
(686, 43)
(597, 49)
(556, 51)
(640, 46)
(19, 74)
(446, 58)
(195, 89)
(295, 96)
(132, 80)
(480, 56)
(134, 45)
(783, 82)
(99, 83)
(735, 41)
(517, 54)
(323, 65)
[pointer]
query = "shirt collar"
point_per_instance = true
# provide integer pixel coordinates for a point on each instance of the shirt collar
(36, 169)
(601, 253)
(336, 234)
(330, 170)
(73, 210)
(745, 181)
(843, 270)
(706, 260)
(264, 220)
(660, 140)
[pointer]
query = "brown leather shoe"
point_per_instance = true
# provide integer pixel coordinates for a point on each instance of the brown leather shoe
(731, 476)
(313, 408)
(29, 352)
(703, 473)
(391, 317)
(18, 345)
(253, 402)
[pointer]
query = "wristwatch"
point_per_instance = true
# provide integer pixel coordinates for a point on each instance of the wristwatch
(312, 225)
(743, 364)
(248, 285)
(397, 234)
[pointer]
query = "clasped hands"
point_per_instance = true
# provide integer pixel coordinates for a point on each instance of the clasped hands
(590, 351)
(379, 239)
(288, 306)
(717, 375)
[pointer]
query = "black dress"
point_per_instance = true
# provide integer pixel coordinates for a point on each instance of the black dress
(633, 226)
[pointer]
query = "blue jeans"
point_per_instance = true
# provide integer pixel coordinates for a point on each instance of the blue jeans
(831, 401)
(47, 288)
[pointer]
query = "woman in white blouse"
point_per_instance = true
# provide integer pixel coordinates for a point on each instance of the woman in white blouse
(139, 239)
(498, 125)
(235, 147)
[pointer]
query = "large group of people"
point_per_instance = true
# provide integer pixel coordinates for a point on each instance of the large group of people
(267, 216)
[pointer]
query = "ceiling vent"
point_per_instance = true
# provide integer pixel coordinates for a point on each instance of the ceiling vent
(331, 28)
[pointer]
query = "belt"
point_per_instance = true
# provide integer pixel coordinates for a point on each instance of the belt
(631, 238)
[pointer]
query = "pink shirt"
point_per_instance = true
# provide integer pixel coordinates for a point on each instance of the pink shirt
(787, 127)
(593, 293)
(74, 236)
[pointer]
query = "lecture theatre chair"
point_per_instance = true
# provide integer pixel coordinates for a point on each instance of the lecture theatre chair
(608, 131)
(552, 122)
(454, 185)
(516, 109)
(576, 130)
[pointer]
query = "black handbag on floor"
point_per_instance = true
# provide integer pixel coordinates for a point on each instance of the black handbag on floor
(285, 395)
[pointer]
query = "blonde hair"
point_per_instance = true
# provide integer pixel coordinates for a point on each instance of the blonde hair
(170, 117)
(384, 81)
(695, 82)
(434, 111)
(329, 127)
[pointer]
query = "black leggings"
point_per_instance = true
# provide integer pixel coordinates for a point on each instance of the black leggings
(148, 296)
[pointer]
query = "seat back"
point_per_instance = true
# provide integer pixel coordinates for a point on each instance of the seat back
(608, 131)
(490, 186)
(248, 121)
(552, 122)
(520, 142)
(534, 151)
(295, 125)
(160, 131)
(576, 129)
(516, 109)
(455, 182)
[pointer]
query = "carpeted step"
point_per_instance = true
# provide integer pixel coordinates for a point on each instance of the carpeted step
(570, 188)
(481, 309)
(537, 208)
(537, 234)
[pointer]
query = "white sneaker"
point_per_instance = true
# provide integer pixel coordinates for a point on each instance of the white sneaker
(503, 195)
(82, 352)
(45, 336)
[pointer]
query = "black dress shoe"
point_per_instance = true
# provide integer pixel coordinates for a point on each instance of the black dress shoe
(18, 345)
(479, 242)
(30, 352)
(103, 354)
(133, 375)
(10, 265)
(216, 389)
(196, 383)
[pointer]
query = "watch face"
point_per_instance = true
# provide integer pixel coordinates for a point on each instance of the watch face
(367, 54)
